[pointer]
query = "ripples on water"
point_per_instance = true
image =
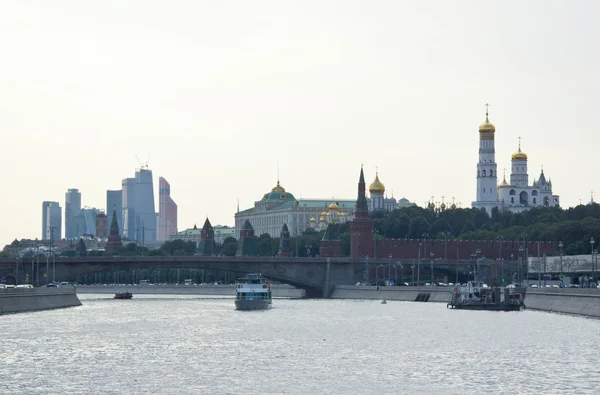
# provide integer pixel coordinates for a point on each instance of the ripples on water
(187, 345)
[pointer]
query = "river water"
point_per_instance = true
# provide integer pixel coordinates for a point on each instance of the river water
(199, 345)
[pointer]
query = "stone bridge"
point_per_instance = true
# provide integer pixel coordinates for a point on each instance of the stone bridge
(317, 276)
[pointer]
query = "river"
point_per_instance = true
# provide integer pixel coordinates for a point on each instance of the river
(200, 345)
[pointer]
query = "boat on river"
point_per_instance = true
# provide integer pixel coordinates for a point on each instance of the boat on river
(253, 293)
(478, 296)
(123, 295)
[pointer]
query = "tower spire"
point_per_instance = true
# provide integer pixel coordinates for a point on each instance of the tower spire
(487, 112)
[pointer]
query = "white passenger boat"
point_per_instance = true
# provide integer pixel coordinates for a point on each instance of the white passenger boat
(252, 293)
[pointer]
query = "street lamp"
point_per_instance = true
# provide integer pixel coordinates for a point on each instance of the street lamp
(560, 246)
(592, 241)
(419, 265)
(389, 267)
(519, 277)
(432, 276)
(446, 234)
(478, 254)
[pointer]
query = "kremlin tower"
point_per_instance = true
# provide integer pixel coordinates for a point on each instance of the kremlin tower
(361, 227)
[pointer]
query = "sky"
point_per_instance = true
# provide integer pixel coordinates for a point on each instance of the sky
(222, 94)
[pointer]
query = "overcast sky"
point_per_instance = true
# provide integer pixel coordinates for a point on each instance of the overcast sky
(220, 91)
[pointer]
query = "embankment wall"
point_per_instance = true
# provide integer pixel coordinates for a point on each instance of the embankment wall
(564, 300)
(585, 302)
(279, 290)
(408, 294)
(19, 300)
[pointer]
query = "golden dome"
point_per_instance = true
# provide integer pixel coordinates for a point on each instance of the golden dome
(453, 207)
(487, 127)
(313, 219)
(333, 206)
(519, 155)
(328, 214)
(443, 206)
(504, 183)
(321, 219)
(377, 186)
(342, 214)
(324, 214)
(278, 188)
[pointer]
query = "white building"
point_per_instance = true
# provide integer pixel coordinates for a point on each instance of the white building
(516, 196)
(279, 207)
(194, 234)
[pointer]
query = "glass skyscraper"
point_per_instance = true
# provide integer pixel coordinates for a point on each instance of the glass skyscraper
(72, 207)
(139, 215)
(167, 211)
(51, 221)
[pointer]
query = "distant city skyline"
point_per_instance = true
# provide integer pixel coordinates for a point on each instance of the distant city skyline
(222, 94)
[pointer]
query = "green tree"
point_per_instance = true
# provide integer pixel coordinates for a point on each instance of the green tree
(417, 227)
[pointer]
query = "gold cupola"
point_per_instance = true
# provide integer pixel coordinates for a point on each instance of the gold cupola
(377, 186)
(487, 127)
(333, 206)
(313, 220)
(519, 155)
(324, 214)
(278, 188)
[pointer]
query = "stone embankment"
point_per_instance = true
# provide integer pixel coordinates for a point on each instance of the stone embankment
(407, 294)
(585, 302)
(19, 300)
(279, 290)
(564, 300)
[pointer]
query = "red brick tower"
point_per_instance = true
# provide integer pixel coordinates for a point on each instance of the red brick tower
(361, 227)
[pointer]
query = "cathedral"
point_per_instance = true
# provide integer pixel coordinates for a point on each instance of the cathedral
(516, 196)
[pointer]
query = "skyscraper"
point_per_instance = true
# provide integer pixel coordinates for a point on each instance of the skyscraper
(128, 208)
(139, 215)
(51, 221)
(114, 202)
(72, 207)
(167, 211)
(145, 211)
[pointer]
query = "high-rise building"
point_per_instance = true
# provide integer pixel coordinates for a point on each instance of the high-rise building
(114, 202)
(145, 211)
(89, 215)
(51, 221)
(72, 207)
(167, 211)
(139, 215)
(101, 225)
(128, 208)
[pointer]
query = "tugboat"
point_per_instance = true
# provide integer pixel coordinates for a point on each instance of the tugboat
(253, 293)
(478, 296)
(123, 295)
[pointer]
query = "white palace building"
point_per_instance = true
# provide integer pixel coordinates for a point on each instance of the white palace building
(516, 196)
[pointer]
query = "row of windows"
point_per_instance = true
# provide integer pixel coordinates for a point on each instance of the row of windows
(485, 173)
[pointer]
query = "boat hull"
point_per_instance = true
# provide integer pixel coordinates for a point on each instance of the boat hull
(256, 304)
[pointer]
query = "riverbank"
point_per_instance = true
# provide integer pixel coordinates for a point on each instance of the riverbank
(406, 294)
(575, 301)
(278, 290)
(584, 302)
(20, 300)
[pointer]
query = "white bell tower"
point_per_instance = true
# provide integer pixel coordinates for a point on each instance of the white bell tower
(487, 176)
